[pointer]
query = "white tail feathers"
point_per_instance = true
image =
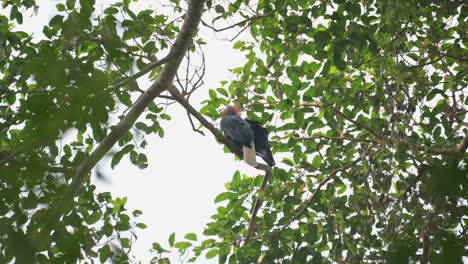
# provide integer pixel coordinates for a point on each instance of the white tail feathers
(250, 156)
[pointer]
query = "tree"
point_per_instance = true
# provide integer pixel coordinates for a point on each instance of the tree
(366, 101)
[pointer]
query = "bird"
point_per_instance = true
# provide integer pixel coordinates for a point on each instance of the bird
(249, 136)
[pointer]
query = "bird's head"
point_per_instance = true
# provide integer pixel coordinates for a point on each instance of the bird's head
(233, 110)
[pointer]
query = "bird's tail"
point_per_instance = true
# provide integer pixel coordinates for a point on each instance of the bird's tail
(249, 155)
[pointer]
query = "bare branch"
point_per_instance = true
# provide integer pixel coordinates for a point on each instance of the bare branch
(165, 97)
(193, 125)
(250, 19)
(149, 68)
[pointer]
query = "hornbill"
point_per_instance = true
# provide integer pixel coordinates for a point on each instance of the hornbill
(249, 136)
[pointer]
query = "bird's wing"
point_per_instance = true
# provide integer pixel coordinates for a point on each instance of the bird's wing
(239, 130)
(262, 145)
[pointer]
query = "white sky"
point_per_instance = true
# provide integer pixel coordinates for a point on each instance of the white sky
(186, 170)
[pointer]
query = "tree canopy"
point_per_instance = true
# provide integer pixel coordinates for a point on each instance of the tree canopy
(365, 100)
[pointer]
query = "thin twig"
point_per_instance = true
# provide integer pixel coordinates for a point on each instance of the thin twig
(238, 23)
(137, 75)
(338, 138)
(193, 125)
(362, 126)
(323, 182)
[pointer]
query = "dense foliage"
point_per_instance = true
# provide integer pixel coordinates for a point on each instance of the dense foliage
(369, 98)
(366, 100)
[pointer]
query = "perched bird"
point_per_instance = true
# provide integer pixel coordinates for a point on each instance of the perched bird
(249, 136)
(239, 133)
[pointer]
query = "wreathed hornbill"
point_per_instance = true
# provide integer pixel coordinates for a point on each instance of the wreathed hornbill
(249, 136)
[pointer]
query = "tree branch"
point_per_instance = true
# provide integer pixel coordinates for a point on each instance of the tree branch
(164, 79)
(323, 182)
(463, 144)
(338, 138)
(250, 19)
(433, 150)
(216, 132)
(149, 68)
(220, 137)
(193, 125)
(361, 126)
(257, 204)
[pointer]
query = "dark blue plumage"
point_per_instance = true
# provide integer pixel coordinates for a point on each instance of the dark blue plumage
(249, 136)
(237, 130)
(262, 146)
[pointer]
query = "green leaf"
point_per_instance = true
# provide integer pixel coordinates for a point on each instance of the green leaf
(141, 225)
(288, 162)
(322, 38)
(105, 253)
(317, 161)
(219, 9)
(60, 7)
(161, 133)
(292, 200)
(191, 236)
(213, 95)
(356, 85)
(171, 239)
(165, 116)
(233, 259)
(326, 68)
(223, 196)
(111, 11)
(238, 45)
(212, 253)
(157, 247)
(222, 91)
(342, 189)
(93, 218)
(137, 213)
(70, 4)
(182, 245)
